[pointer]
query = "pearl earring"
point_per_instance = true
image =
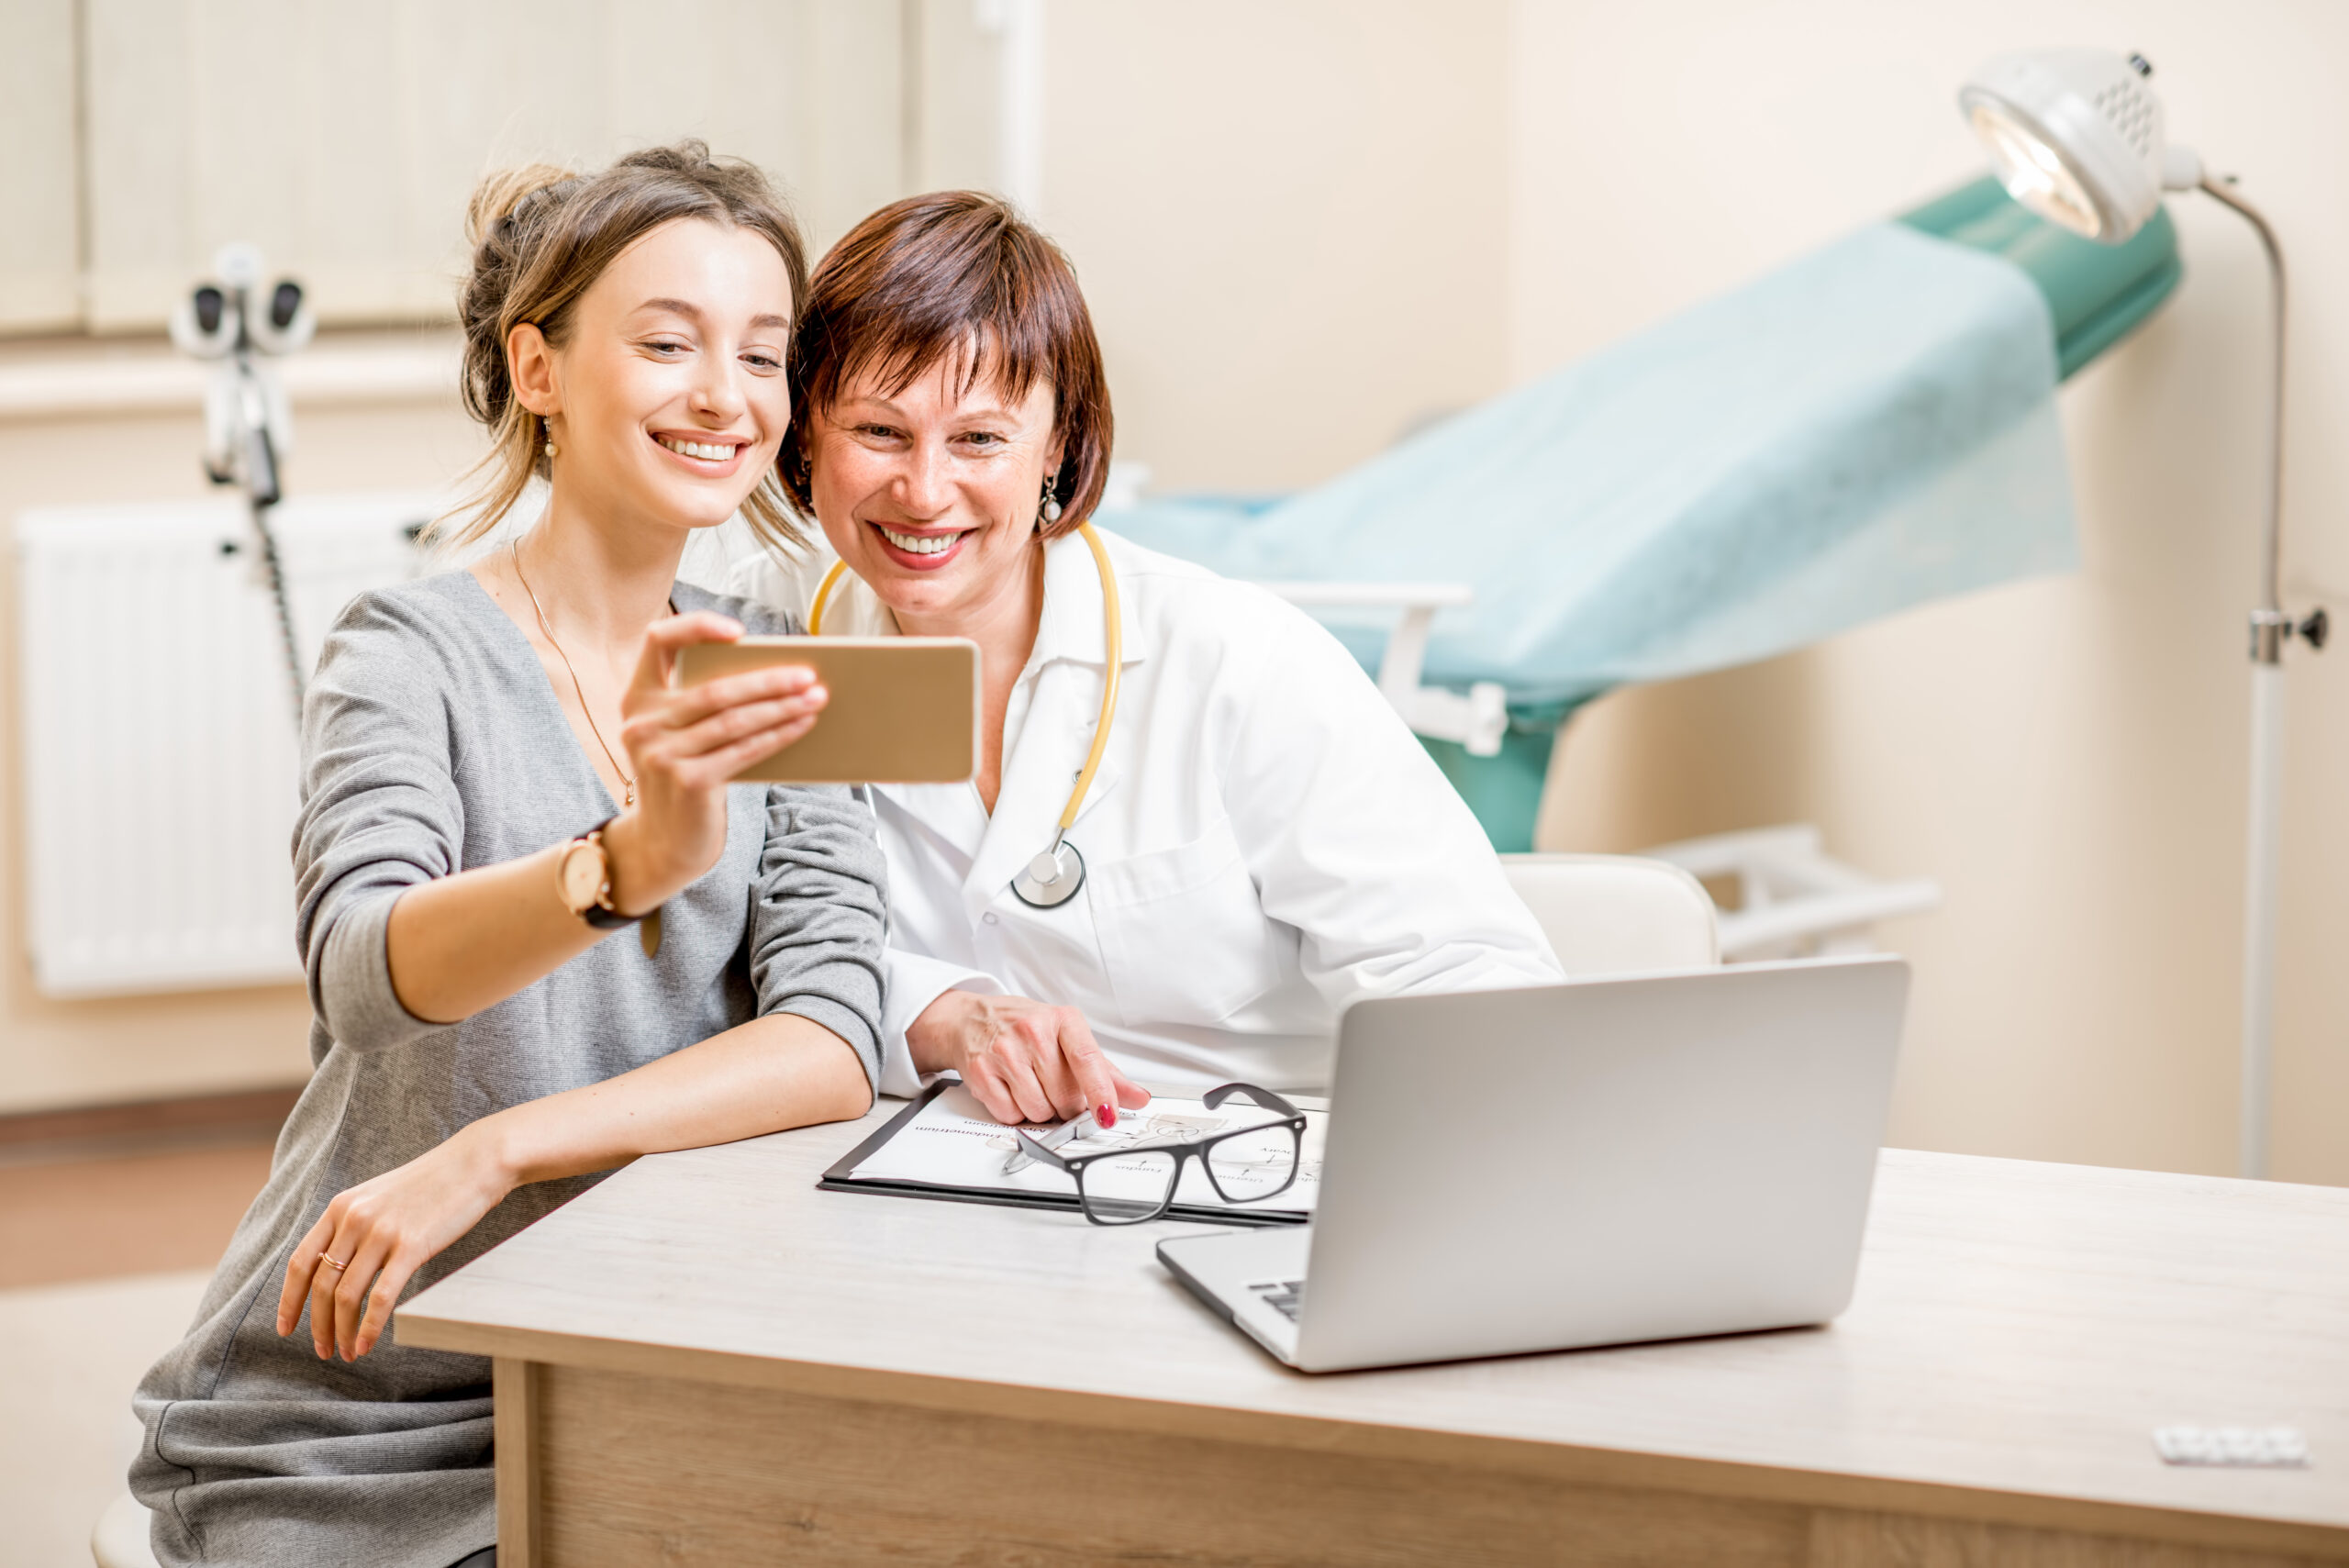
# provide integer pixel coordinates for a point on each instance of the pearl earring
(1052, 508)
(548, 427)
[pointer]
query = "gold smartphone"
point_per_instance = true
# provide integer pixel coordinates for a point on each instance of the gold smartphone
(903, 710)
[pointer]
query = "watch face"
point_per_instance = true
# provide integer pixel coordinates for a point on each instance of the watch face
(581, 876)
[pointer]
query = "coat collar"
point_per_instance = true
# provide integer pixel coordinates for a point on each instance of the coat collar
(1073, 626)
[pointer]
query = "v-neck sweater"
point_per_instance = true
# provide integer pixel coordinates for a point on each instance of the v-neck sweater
(432, 742)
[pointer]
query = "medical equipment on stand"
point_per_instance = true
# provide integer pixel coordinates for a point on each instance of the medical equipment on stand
(1052, 877)
(2077, 137)
(248, 427)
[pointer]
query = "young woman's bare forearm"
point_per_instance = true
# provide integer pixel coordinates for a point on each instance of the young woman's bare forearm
(778, 1072)
(772, 1073)
(461, 943)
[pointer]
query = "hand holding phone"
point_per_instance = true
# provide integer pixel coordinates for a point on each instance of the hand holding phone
(901, 709)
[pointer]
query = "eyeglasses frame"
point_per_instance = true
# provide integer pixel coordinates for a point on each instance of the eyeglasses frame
(1182, 1149)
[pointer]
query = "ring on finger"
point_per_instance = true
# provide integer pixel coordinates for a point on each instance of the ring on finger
(338, 1264)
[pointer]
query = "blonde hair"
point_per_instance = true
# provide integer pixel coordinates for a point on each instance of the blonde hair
(540, 237)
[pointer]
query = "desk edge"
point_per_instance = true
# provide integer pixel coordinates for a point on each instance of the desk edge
(1565, 1463)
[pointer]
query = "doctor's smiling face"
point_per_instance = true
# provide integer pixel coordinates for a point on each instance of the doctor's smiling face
(930, 491)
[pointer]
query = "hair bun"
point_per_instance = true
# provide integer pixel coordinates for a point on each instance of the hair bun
(501, 196)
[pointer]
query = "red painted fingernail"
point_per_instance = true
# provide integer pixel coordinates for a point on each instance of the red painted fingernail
(1107, 1115)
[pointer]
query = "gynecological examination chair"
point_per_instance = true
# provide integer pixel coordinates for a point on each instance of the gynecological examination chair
(1866, 428)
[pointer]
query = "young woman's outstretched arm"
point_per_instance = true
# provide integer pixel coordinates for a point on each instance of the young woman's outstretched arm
(460, 943)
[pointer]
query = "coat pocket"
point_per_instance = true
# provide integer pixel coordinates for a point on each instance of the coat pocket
(1183, 931)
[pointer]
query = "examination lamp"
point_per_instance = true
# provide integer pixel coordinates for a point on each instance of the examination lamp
(235, 320)
(2077, 137)
(247, 426)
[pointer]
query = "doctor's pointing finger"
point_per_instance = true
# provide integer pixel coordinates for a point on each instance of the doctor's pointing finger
(1196, 831)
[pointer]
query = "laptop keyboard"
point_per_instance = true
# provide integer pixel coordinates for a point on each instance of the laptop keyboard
(1280, 1294)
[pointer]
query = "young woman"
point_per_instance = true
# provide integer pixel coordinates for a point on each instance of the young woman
(543, 935)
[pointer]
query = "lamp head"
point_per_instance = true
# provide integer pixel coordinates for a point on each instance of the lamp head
(2075, 136)
(219, 319)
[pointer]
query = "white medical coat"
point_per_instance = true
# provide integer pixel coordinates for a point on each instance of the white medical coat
(1265, 841)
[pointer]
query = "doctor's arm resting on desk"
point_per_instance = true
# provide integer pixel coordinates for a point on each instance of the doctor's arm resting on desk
(952, 430)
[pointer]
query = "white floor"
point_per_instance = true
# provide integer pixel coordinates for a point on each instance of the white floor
(69, 1355)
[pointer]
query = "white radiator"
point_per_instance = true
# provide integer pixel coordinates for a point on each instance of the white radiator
(158, 755)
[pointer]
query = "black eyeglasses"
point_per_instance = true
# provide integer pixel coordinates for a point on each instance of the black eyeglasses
(1129, 1185)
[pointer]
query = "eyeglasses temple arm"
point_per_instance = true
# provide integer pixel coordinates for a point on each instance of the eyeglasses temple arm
(1037, 1150)
(1265, 1097)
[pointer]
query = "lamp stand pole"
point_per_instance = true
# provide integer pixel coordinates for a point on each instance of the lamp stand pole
(2270, 630)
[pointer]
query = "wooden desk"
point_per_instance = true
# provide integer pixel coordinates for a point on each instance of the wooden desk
(707, 1360)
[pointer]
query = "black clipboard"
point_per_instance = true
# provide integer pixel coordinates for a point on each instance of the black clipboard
(839, 1180)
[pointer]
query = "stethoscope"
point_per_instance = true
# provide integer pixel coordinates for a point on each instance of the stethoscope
(1051, 878)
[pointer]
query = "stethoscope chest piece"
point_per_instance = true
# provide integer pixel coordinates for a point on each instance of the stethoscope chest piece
(1050, 879)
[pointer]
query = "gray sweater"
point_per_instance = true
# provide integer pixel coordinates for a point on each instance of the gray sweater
(431, 742)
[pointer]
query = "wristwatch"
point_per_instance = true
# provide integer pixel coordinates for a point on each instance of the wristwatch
(584, 877)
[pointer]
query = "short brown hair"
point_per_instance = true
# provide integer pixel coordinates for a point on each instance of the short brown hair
(959, 278)
(541, 236)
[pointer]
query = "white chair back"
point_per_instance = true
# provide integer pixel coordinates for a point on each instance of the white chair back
(1617, 914)
(120, 1539)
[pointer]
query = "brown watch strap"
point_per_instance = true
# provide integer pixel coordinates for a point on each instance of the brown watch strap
(600, 914)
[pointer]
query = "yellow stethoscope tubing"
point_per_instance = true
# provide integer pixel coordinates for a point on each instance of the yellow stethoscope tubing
(1112, 633)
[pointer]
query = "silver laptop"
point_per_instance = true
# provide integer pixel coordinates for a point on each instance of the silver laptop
(1592, 1164)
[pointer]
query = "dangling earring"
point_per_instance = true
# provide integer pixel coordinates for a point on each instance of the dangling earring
(548, 427)
(1052, 508)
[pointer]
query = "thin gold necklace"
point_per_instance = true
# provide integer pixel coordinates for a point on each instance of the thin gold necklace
(593, 727)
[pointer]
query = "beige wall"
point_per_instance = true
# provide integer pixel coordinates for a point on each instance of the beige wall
(341, 139)
(68, 1053)
(1290, 220)
(39, 246)
(2066, 756)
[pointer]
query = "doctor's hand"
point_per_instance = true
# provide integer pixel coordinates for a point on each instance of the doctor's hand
(1024, 1060)
(683, 745)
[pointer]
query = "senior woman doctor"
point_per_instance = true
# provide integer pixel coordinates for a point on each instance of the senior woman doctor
(1262, 842)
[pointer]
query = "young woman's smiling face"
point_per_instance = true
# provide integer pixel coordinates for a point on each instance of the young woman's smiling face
(666, 401)
(930, 492)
